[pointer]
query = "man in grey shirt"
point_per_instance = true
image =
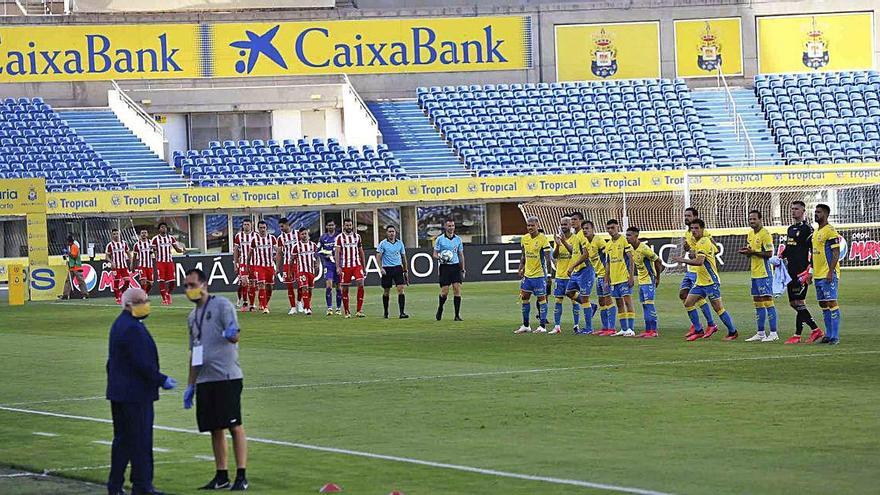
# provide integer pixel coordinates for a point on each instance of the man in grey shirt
(215, 378)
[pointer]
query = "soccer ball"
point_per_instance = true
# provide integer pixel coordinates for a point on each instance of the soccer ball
(446, 256)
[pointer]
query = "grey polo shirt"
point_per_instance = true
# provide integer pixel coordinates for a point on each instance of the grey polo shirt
(220, 357)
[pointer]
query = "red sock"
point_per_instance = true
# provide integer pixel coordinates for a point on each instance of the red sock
(262, 294)
(345, 299)
(168, 291)
(252, 293)
(116, 292)
(268, 294)
(147, 286)
(307, 299)
(240, 292)
(163, 291)
(291, 296)
(360, 298)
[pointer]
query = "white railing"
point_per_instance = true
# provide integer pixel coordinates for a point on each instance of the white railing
(739, 127)
(728, 96)
(139, 121)
(363, 105)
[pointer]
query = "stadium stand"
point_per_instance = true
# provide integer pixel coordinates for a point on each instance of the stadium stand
(823, 117)
(292, 161)
(36, 142)
(571, 127)
(714, 111)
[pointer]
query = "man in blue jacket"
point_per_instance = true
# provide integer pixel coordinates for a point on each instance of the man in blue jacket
(133, 380)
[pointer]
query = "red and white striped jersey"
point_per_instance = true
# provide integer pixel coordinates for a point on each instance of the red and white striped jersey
(117, 253)
(164, 244)
(305, 255)
(243, 242)
(286, 241)
(263, 250)
(144, 250)
(350, 255)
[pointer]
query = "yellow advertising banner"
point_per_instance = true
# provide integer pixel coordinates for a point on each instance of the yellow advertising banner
(435, 191)
(99, 52)
(821, 42)
(17, 285)
(703, 45)
(22, 196)
(372, 46)
(37, 239)
(46, 282)
(596, 52)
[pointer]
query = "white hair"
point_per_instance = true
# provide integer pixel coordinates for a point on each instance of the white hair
(565, 218)
(131, 295)
(532, 219)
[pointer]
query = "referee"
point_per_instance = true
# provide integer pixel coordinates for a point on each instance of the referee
(391, 258)
(452, 271)
(797, 260)
(215, 378)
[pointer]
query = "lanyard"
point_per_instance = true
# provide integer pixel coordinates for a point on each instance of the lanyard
(201, 320)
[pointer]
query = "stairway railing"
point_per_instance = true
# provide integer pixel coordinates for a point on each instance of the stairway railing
(739, 127)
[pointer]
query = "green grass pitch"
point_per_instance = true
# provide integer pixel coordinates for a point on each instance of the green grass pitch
(663, 416)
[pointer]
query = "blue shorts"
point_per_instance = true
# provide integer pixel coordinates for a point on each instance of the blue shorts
(620, 290)
(560, 289)
(330, 273)
(689, 281)
(602, 288)
(535, 285)
(825, 290)
(646, 293)
(582, 282)
(762, 287)
(710, 292)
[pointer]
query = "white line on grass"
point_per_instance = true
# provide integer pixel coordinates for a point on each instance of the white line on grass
(103, 442)
(478, 374)
(44, 434)
(107, 466)
(19, 475)
(369, 455)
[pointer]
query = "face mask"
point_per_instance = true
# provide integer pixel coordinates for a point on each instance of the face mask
(194, 294)
(141, 311)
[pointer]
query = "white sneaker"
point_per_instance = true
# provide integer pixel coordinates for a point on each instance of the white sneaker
(292, 311)
(266, 310)
(620, 333)
(523, 329)
(338, 312)
(758, 337)
(540, 329)
(238, 303)
(308, 312)
(299, 308)
(771, 338)
(628, 333)
(556, 330)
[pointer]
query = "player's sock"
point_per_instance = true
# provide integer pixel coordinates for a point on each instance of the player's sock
(441, 301)
(760, 315)
(401, 303)
(307, 300)
(268, 294)
(291, 295)
(526, 311)
(328, 296)
(576, 314)
(603, 316)
(345, 299)
(612, 316)
(772, 316)
(338, 297)
(239, 294)
(557, 312)
(261, 294)
(707, 312)
(587, 309)
(829, 325)
(621, 318)
(456, 302)
(804, 316)
(694, 316)
(163, 292)
(542, 312)
(835, 320)
(385, 299)
(650, 315)
(360, 298)
(252, 294)
(728, 321)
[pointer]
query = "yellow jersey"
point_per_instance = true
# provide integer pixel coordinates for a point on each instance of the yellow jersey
(533, 250)
(644, 259)
(563, 259)
(619, 254)
(707, 273)
(579, 246)
(824, 240)
(691, 244)
(760, 241)
(597, 255)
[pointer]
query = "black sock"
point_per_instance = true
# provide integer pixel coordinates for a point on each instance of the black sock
(456, 300)
(807, 318)
(799, 322)
(239, 473)
(222, 475)
(385, 304)
(442, 302)
(401, 302)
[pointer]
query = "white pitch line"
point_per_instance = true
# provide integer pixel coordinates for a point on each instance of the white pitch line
(478, 374)
(20, 475)
(44, 434)
(204, 458)
(103, 442)
(370, 455)
(107, 466)
(161, 450)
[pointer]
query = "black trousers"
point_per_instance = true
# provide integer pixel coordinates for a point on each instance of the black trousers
(132, 443)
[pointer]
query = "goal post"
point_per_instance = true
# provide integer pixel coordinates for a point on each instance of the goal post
(724, 198)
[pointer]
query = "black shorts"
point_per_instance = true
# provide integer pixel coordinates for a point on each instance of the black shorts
(797, 291)
(218, 404)
(450, 274)
(394, 275)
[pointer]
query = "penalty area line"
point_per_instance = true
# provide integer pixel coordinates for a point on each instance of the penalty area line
(370, 455)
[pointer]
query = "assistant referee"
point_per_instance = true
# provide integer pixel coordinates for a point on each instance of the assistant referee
(215, 378)
(391, 258)
(452, 270)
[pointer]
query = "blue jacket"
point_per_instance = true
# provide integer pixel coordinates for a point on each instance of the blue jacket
(133, 362)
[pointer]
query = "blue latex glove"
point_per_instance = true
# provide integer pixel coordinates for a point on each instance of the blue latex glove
(188, 396)
(169, 383)
(231, 333)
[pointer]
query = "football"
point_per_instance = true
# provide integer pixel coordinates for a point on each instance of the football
(446, 256)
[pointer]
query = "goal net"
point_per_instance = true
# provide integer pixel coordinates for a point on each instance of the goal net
(724, 199)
